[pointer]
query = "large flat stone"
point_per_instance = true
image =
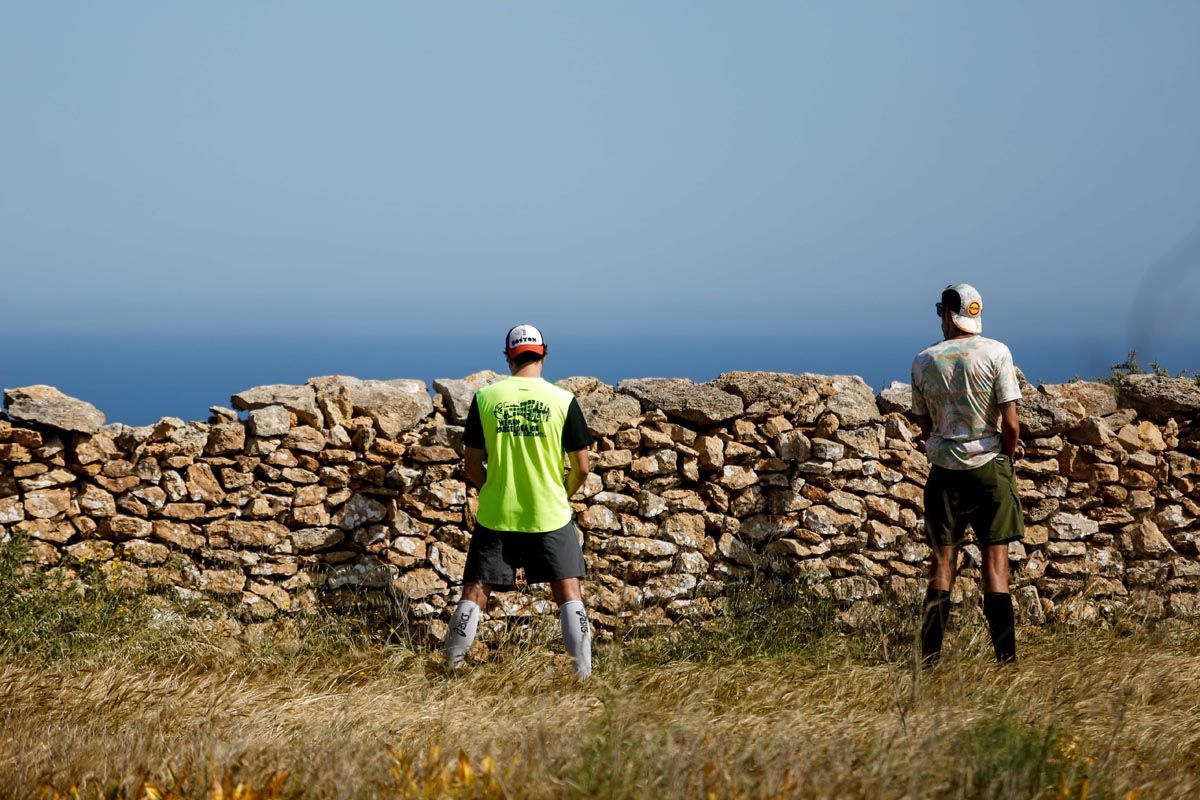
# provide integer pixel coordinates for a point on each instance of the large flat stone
(300, 400)
(46, 405)
(680, 398)
(774, 393)
(395, 406)
(1097, 399)
(1159, 397)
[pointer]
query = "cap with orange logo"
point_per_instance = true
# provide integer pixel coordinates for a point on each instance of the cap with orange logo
(965, 307)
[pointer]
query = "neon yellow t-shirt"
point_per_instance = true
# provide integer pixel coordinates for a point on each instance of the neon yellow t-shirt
(525, 425)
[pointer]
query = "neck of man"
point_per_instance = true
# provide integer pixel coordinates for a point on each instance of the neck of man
(952, 331)
(531, 370)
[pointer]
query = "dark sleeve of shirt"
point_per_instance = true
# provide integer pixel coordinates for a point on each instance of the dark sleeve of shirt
(473, 435)
(575, 435)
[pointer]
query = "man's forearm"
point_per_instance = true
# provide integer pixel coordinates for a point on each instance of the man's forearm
(477, 477)
(1010, 438)
(574, 481)
(578, 469)
(1010, 429)
(475, 468)
(925, 426)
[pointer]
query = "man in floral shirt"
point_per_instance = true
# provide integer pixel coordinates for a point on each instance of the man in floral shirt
(965, 397)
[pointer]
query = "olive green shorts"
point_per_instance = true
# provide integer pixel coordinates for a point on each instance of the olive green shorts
(984, 498)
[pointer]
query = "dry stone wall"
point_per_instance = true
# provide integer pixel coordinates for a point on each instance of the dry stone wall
(351, 486)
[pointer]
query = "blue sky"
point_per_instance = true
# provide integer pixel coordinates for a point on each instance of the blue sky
(436, 169)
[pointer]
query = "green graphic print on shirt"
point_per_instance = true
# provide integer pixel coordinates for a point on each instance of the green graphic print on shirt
(960, 384)
(526, 418)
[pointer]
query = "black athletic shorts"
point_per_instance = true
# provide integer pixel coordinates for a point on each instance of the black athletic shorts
(494, 556)
(984, 498)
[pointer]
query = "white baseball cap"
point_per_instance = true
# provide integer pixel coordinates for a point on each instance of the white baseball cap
(965, 305)
(524, 339)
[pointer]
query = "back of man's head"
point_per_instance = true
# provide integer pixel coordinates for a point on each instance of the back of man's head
(962, 306)
(523, 345)
(521, 359)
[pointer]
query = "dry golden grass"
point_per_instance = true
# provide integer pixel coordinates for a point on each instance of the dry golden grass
(119, 697)
(1088, 713)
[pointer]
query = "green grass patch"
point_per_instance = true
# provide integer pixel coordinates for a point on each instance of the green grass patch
(1002, 757)
(80, 617)
(785, 619)
(52, 617)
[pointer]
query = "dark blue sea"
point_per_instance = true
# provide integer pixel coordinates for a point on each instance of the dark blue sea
(138, 378)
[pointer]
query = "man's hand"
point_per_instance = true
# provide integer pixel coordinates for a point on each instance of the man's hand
(1010, 429)
(926, 424)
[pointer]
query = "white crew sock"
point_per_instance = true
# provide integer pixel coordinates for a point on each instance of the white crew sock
(578, 635)
(461, 633)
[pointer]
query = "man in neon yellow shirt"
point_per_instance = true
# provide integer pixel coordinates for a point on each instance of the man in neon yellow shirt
(517, 432)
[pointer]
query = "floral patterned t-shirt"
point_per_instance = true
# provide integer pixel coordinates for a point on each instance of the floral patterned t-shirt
(960, 384)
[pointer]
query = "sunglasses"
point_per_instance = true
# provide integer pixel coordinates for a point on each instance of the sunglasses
(943, 307)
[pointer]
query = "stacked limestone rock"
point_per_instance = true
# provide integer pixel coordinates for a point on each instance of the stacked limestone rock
(344, 485)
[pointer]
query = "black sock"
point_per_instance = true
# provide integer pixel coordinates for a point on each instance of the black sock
(998, 609)
(933, 626)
